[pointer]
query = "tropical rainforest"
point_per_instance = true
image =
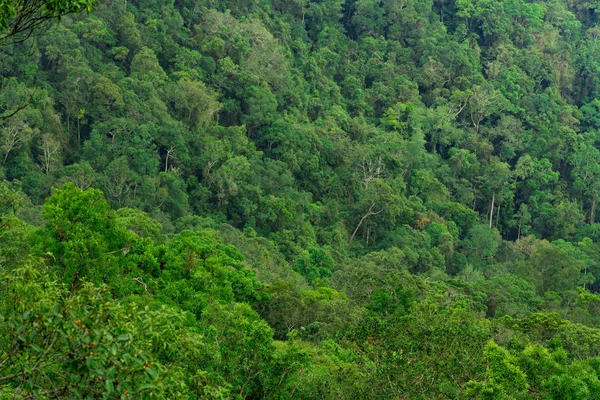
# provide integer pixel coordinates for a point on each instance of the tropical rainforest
(299, 199)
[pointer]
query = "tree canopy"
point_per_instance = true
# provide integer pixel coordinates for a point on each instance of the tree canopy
(269, 199)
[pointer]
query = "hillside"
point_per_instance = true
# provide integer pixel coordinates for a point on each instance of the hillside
(301, 199)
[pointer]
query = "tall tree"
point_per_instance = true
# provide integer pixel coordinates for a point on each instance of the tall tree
(586, 175)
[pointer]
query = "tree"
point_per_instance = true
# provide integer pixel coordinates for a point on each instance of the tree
(107, 99)
(81, 174)
(511, 295)
(195, 103)
(21, 19)
(482, 242)
(119, 180)
(379, 205)
(551, 268)
(245, 343)
(145, 67)
(82, 237)
(116, 127)
(484, 102)
(523, 219)
(261, 108)
(49, 153)
(536, 175)
(497, 185)
(586, 174)
(85, 344)
(265, 58)
(13, 134)
(504, 377)
(315, 263)
(437, 122)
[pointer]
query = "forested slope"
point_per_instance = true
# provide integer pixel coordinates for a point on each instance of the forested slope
(300, 199)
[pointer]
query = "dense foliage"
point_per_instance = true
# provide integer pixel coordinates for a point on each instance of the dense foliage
(301, 199)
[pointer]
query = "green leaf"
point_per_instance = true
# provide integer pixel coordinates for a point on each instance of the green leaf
(36, 348)
(110, 387)
(152, 372)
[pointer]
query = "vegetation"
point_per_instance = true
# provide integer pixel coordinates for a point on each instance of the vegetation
(254, 199)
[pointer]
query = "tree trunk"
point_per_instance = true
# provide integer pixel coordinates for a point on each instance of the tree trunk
(593, 210)
(492, 209)
(369, 213)
(497, 215)
(358, 226)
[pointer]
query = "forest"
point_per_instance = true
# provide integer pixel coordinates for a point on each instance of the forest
(300, 199)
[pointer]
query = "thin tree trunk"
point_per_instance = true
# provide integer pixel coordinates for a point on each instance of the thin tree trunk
(358, 226)
(593, 210)
(492, 209)
(169, 152)
(369, 213)
(497, 215)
